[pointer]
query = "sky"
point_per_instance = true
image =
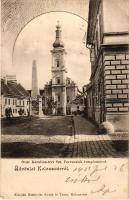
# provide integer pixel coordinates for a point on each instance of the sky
(35, 42)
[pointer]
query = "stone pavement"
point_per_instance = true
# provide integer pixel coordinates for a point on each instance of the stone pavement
(87, 142)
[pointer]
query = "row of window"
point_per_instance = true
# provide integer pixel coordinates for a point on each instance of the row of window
(15, 102)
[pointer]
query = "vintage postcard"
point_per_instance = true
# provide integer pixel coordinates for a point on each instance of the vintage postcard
(64, 99)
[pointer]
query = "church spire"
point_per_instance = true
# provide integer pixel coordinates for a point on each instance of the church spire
(58, 42)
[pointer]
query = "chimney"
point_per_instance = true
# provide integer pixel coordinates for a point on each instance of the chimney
(10, 78)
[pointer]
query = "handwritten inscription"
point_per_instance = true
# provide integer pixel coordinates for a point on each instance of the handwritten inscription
(95, 178)
(103, 190)
(80, 179)
(95, 174)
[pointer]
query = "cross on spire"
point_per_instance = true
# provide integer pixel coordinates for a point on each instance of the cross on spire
(58, 24)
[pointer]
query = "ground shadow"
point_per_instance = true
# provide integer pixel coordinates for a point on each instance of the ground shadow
(87, 149)
(37, 126)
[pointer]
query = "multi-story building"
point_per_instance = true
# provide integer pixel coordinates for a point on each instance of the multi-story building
(14, 97)
(108, 40)
(61, 90)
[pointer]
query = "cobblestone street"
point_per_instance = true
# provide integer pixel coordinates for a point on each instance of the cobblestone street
(84, 141)
(88, 143)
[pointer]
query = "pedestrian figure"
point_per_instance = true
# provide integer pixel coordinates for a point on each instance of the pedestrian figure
(7, 112)
(78, 109)
(28, 113)
(10, 112)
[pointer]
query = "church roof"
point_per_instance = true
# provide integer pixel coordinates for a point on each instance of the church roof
(58, 42)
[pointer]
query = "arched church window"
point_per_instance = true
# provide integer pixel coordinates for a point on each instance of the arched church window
(58, 63)
(68, 99)
(58, 98)
(58, 80)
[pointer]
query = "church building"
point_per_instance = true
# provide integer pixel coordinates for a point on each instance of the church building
(61, 90)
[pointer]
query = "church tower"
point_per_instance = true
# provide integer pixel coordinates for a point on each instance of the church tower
(59, 72)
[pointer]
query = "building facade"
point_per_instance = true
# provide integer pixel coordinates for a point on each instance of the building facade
(108, 39)
(14, 98)
(53, 105)
(61, 90)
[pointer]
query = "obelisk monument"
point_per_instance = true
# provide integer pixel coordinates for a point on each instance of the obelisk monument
(35, 91)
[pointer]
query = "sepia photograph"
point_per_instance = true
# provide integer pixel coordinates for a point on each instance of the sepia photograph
(65, 79)
(64, 99)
